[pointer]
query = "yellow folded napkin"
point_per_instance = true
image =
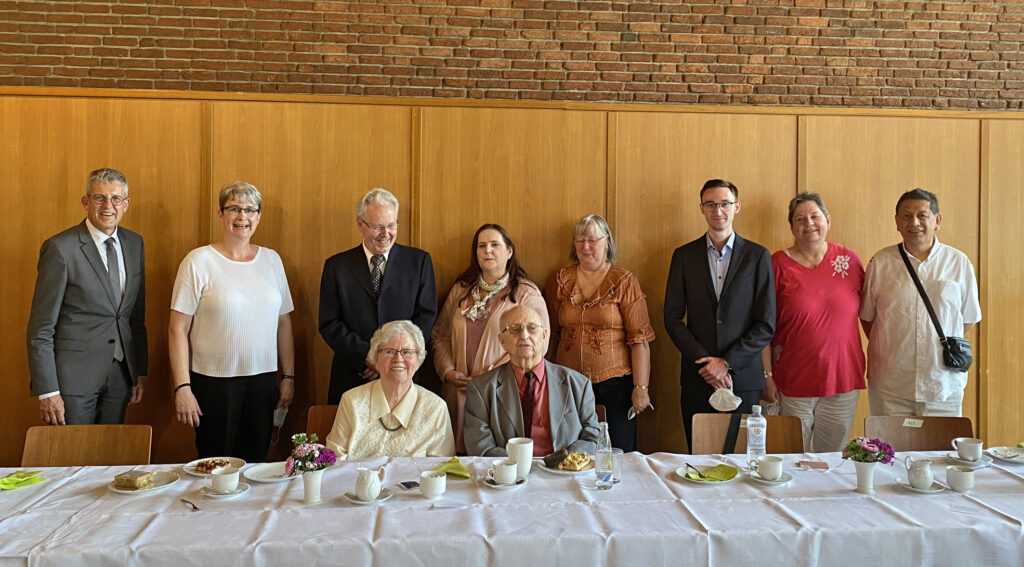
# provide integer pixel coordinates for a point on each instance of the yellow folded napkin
(19, 479)
(717, 473)
(1021, 444)
(454, 467)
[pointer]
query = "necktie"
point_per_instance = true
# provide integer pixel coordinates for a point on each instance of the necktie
(375, 273)
(114, 272)
(528, 404)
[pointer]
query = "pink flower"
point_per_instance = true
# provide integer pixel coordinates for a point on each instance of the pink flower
(871, 448)
(289, 466)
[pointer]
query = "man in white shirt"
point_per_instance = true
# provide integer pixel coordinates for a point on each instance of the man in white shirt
(86, 332)
(906, 374)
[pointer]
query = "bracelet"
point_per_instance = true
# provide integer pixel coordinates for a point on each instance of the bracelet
(180, 386)
(287, 376)
(767, 374)
(640, 387)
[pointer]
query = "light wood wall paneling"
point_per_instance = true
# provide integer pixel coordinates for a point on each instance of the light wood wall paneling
(532, 171)
(662, 160)
(312, 163)
(861, 165)
(49, 145)
(1001, 276)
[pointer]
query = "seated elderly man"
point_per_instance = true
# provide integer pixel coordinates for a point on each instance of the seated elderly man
(391, 416)
(528, 396)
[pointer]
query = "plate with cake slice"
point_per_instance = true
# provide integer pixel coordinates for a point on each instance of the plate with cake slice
(571, 464)
(203, 467)
(142, 482)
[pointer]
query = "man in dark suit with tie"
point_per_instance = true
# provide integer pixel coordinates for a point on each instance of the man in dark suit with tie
(86, 331)
(720, 308)
(376, 282)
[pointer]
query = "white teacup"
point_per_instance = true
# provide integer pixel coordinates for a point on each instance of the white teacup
(968, 448)
(224, 480)
(433, 484)
(960, 479)
(503, 471)
(769, 467)
(521, 449)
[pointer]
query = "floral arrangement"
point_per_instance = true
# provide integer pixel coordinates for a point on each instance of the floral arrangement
(866, 450)
(308, 455)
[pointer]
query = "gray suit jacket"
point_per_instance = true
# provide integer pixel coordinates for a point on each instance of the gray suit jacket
(494, 414)
(76, 315)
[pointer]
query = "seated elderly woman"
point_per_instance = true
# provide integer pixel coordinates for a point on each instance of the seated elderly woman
(391, 416)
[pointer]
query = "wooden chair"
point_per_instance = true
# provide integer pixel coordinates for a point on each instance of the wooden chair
(710, 430)
(86, 445)
(320, 420)
(917, 433)
(600, 411)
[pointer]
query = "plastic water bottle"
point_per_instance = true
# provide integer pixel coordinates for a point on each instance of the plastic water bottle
(757, 433)
(603, 464)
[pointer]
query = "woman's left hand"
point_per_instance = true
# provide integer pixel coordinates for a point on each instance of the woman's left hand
(641, 400)
(287, 391)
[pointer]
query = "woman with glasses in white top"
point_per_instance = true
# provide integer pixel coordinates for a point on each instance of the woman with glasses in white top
(391, 416)
(231, 310)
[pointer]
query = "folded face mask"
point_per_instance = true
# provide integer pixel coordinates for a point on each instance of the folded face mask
(724, 400)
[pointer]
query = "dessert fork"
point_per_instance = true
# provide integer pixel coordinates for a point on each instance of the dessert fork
(192, 504)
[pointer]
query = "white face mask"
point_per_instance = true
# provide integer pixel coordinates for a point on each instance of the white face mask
(724, 400)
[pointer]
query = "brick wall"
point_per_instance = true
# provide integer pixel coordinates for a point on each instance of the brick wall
(765, 52)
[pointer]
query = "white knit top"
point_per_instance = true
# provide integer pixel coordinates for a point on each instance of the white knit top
(235, 308)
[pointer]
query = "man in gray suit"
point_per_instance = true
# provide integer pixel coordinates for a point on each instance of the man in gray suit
(528, 396)
(86, 332)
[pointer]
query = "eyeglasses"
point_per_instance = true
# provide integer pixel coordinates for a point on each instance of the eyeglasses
(724, 205)
(517, 329)
(235, 210)
(379, 227)
(591, 241)
(405, 352)
(115, 200)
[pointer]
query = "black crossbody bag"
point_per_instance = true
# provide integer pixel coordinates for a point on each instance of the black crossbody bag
(956, 351)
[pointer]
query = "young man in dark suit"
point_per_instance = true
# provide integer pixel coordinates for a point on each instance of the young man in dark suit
(723, 286)
(376, 282)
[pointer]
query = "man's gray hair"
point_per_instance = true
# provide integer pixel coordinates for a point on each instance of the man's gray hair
(601, 225)
(394, 329)
(106, 175)
(377, 195)
(241, 191)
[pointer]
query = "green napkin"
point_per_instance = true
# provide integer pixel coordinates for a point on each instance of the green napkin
(1021, 444)
(19, 479)
(454, 467)
(717, 473)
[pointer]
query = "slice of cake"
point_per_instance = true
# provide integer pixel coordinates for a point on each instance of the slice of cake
(207, 465)
(575, 462)
(133, 480)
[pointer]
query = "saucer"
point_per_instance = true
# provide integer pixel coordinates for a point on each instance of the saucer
(209, 493)
(268, 472)
(383, 496)
(984, 460)
(935, 487)
(520, 481)
(1007, 454)
(786, 477)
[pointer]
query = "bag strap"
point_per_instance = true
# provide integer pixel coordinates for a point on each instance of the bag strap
(730, 437)
(920, 290)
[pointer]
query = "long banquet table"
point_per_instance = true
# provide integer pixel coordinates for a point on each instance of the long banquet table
(651, 518)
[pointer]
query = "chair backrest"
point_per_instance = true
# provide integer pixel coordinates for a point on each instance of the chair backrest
(600, 411)
(320, 420)
(917, 433)
(87, 445)
(710, 430)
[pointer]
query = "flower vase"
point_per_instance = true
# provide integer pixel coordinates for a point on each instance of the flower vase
(311, 486)
(865, 477)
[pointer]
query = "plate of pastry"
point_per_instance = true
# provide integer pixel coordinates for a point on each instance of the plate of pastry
(142, 482)
(203, 467)
(571, 464)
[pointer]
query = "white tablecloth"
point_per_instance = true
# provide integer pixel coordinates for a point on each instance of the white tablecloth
(651, 518)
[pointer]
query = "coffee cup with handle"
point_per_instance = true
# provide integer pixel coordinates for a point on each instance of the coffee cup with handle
(503, 471)
(224, 480)
(769, 467)
(968, 448)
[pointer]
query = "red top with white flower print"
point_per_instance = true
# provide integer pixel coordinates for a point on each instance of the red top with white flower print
(817, 351)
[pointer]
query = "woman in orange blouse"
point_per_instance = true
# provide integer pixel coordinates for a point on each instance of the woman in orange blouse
(465, 338)
(600, 327)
